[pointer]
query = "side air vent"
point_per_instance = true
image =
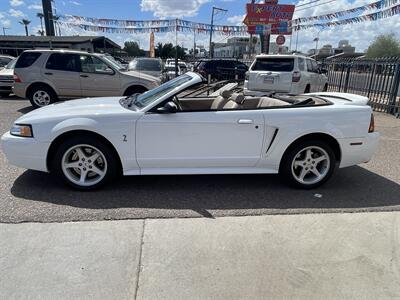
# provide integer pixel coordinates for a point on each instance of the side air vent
(273, 139)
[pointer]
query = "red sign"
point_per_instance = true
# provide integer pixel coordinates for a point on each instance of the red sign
(259, 14)
(280, 40)
(275, 29)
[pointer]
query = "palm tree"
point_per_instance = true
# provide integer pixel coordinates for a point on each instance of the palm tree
(41, 16)
(26, 23)
(55, 20)
(40, 32)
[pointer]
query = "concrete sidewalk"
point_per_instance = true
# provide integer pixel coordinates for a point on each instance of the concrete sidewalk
(322, 256)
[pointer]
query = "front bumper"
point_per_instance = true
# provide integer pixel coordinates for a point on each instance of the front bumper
(358, 150)
(26, 153)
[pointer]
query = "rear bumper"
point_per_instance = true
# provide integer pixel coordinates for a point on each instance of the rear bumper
(26, 153)
(358, 150)
(19, 89)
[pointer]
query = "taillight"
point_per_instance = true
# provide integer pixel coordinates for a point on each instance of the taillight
(296, 76)
(372, 124)
(17, 79)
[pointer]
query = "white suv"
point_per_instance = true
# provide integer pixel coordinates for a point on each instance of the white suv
(44, 76)
(292, 74)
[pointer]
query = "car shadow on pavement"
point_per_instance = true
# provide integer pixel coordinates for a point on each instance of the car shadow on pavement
(351, 189)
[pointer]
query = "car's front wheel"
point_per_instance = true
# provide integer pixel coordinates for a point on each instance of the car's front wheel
(308, 164)
(85, 163)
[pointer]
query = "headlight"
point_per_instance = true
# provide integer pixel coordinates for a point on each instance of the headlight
(21, 130)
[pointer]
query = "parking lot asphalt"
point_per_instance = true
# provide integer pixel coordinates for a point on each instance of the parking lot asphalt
(28, 196)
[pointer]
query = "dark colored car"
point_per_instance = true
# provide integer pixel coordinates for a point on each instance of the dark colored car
(221, 69)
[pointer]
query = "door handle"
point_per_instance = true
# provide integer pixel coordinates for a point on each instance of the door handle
(84, 76)
(48, 73)
(245, 121)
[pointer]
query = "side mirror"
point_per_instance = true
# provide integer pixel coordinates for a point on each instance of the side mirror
(169, 108)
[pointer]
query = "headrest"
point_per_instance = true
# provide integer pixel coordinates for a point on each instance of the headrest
(238, 98)
(225, 94)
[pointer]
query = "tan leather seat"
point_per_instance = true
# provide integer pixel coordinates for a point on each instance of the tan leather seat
(221, 100)
(235, 102)
(270, 102)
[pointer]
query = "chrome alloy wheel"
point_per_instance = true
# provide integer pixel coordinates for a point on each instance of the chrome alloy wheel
(84, 165)
(310, 165)
(41, 98)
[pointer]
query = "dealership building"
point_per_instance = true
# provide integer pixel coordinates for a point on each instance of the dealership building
(15, 45)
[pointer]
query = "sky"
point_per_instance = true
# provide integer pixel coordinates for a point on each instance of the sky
(360, 35)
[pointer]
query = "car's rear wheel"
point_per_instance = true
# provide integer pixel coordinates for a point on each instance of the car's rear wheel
(135, 90)
(325, 88)
(41, 96)
(308, 164)
(85, 163)
(308, 89)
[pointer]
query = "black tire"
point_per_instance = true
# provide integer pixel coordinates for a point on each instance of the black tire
(325, 88)
(45, 90)
(307, 90)
(4, 95)
(108, 153)
(135, 90)
(292, 154)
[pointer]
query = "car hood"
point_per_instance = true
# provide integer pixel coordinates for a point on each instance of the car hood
(141, 75)
(76, 108)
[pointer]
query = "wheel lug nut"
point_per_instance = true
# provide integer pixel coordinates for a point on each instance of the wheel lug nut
(84, 169)
(89, 161)
(80, 165)
(90, 167)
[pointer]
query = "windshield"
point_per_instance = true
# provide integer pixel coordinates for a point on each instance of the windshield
(149, 97)
(11, 64)
(145, 65)
(274, 64)
(115, 64)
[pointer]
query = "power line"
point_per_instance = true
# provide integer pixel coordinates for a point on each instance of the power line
(304, 4)
(316, 5)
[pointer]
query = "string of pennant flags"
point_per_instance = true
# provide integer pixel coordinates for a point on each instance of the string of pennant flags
(178, 25)
(375, 5)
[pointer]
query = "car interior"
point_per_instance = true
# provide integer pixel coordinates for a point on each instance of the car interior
(229, 100)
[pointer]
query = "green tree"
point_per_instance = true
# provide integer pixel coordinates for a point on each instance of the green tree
(168, 51)
(384, 46)
(133, 49)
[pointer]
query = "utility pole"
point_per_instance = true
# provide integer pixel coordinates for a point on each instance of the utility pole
(176, 48)
(211, 54)
(48, 17)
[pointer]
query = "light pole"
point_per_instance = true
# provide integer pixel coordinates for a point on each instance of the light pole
(316, 40)
(211, 54)
(4, 30)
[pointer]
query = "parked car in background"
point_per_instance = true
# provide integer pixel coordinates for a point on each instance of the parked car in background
(7, 78)
(150, 66)
(221, 69)
(88, 142)
(170, 72)
(44, 76)
(182, 65)
(5, 60)
(292, 74)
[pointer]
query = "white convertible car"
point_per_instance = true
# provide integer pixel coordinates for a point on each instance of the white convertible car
(88, 142)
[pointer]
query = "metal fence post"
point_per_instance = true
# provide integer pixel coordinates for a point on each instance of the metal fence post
(346, 81)
(392, 108)
(371, 80)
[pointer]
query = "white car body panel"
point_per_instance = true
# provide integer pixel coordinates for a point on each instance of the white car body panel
(207, 142)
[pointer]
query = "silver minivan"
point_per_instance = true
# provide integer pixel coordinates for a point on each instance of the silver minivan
(44, 76)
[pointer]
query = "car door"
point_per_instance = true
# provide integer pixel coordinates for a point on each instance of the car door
(312, 75)
(62, 71)
(98, 78)
(202, 139)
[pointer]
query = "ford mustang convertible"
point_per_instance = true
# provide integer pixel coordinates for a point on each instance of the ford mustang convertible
(88, 142)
